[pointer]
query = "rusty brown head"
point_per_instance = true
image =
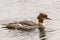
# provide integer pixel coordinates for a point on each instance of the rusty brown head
(42, 16)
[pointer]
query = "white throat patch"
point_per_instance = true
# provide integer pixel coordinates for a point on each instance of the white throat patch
(42, 24)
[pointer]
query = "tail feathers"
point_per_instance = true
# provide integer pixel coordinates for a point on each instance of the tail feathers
(4, 27)
(4, 24)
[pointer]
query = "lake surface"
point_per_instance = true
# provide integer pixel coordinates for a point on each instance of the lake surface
(11, 10)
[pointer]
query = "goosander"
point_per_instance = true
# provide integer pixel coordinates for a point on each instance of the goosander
(29, 25)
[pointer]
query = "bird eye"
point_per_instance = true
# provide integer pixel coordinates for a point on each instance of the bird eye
(45, 16)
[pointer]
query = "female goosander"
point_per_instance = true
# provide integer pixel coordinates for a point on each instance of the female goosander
(29, 25)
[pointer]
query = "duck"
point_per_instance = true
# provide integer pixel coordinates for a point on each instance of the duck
(29, 25)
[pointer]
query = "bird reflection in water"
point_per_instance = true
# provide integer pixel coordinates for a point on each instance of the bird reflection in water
(42, 34)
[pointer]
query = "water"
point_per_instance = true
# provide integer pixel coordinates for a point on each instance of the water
(12, 10)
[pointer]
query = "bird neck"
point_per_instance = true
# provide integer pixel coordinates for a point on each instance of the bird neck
(40, 20)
